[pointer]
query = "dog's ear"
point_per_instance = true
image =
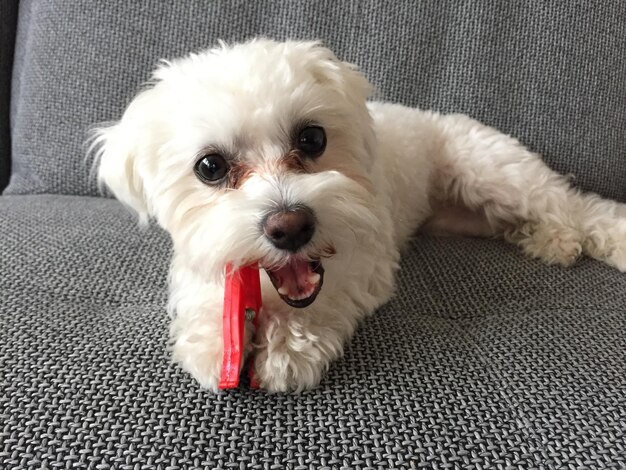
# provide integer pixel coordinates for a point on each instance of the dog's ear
(344, 76)
(116, 151)
(347, 85)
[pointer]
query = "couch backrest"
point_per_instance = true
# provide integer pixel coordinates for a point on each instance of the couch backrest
(8, 25)
(551, 73)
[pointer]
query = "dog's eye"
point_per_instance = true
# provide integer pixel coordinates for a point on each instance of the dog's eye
(211, 169)
(312, 141)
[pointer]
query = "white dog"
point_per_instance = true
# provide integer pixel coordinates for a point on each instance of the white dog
(268, 153)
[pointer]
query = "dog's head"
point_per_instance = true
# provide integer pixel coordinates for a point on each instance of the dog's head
(259, 152)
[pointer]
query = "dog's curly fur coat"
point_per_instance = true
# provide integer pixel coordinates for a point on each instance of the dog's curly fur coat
(386, 172)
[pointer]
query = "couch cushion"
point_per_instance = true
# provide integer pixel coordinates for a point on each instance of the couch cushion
(551, 73)
(473, 364)
(8, 26)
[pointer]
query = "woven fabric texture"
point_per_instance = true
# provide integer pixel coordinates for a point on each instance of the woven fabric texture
(550, 73)
(8, 25)
(476, 363)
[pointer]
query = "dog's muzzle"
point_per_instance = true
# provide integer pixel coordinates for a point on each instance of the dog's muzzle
(299, 280)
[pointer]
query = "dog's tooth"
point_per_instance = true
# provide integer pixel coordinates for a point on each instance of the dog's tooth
(314, 278)
(282, 290)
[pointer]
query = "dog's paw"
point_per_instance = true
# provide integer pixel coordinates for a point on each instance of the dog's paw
(202, 361)
(610, 247)
(199, 350)
(606, 242)
(280, 368)
(295, 350)
(552, 244)
(617, 258)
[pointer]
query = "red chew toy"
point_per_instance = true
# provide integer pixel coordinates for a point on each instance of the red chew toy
(242, 302)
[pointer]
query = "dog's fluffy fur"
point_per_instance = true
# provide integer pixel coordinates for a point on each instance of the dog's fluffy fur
(387, 172)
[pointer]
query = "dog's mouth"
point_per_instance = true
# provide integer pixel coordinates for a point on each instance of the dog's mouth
(298, 282)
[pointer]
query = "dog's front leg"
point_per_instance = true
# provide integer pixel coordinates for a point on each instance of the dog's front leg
(197, 339)
(295, 347)
(196, 330)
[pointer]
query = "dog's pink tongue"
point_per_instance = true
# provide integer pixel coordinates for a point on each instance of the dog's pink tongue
(296, 280)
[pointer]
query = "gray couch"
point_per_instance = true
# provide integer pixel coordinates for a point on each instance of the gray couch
(484, 358)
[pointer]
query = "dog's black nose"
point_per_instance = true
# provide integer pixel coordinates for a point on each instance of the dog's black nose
(290, 229)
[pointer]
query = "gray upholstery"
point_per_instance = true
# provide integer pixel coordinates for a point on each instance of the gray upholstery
(484, 359)
(463, 368)
(8, 25)
(548, 73)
